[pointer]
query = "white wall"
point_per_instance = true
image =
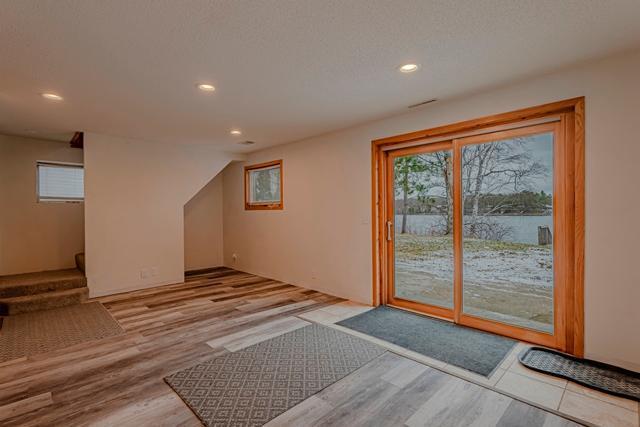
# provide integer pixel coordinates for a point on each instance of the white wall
(35, 236)
(135, 194)
(203, 227)
(322, 239)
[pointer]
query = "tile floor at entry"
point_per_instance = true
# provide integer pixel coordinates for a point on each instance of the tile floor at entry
(512, 378)
(118, 381)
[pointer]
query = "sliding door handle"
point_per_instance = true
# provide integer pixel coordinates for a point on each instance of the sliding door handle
(389, 225)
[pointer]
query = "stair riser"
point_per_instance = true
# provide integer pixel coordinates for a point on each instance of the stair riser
(9, 309)
(33, 289)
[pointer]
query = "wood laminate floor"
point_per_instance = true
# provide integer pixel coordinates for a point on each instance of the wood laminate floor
(119, 381)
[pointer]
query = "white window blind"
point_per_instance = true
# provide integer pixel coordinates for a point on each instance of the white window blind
(60, 182)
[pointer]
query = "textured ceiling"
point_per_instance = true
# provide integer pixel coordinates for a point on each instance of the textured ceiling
(284, 70)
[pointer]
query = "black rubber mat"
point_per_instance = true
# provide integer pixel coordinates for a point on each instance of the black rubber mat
(600, 376)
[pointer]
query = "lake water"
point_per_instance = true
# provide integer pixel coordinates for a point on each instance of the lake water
(524, 229)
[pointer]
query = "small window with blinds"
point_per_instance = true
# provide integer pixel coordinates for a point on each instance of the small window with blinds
(60, 182)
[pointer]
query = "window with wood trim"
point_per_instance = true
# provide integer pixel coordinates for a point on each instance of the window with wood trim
(263, 186)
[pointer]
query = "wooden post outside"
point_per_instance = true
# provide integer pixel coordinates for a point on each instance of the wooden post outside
(544, 235)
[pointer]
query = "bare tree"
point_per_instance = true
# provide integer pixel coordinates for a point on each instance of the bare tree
(490, 169)
(495, 169)
(440, 163)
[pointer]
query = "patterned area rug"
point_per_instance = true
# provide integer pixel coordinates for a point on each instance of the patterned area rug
(607, 378)
(258, 383)
(44, 331)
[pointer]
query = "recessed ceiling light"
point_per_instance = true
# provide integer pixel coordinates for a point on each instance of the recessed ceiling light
(235, 132)
(206, 87)
(52, 96)
(408, 68)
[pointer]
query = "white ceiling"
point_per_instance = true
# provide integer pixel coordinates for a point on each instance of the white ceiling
(284, 70)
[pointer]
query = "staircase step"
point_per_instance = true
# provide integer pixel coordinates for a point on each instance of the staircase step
(43, 301)
(44, 281)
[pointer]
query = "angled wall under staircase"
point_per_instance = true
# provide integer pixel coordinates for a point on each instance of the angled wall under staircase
(135, 192)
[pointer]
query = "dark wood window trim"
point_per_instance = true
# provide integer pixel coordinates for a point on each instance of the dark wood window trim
(571, 112)
(262, 206)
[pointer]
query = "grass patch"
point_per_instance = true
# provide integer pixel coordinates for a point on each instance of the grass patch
(414, 246)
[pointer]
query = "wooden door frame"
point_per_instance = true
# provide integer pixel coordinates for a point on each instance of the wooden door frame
(571, 112)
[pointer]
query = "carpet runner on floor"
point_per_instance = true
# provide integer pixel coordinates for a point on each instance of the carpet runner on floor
(28, 334)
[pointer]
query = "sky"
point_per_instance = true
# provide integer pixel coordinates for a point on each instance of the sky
(541, 148)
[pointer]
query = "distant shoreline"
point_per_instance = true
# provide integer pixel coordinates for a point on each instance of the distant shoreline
(514, 214)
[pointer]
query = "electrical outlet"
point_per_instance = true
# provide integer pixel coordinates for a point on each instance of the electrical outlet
(144, 273)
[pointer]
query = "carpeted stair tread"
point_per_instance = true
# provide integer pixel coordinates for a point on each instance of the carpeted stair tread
(44, 281)
(42, 301)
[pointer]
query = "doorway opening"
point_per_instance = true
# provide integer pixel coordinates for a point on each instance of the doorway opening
(481, 223)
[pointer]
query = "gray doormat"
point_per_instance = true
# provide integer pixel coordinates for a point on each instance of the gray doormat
(467, 348)
(258, 383)
(38, 332)
(600, 376)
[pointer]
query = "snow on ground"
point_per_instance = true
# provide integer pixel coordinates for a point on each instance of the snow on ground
(508, 282)
(527, 264)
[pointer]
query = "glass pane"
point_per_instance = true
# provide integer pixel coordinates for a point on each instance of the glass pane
(424, 228)
(507, 188)
(265, 185)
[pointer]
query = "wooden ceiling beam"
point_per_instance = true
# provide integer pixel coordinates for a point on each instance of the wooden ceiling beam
(77, 141)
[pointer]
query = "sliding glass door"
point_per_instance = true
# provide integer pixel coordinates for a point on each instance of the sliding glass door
(473, 231)
(422, 206)
(507, 220)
